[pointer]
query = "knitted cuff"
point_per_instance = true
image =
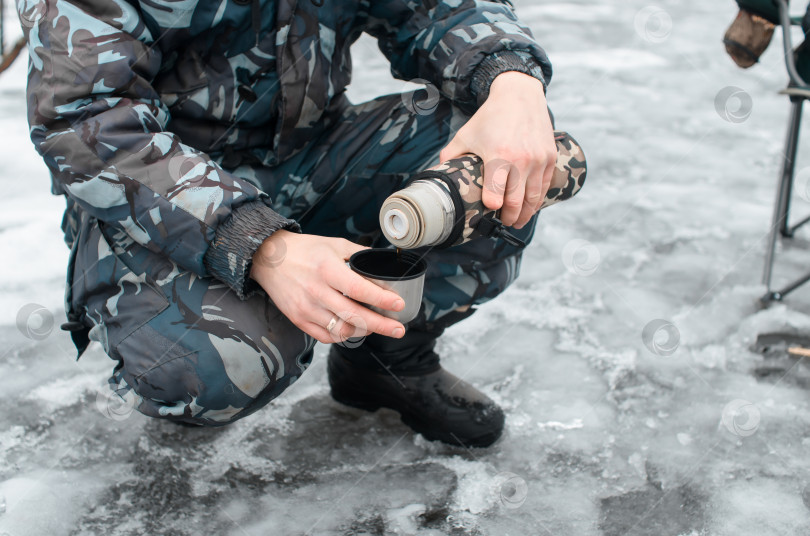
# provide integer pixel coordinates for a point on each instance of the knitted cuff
(230, 254)
(499, 63)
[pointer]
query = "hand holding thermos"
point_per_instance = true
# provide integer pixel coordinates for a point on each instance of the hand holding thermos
(443, 207)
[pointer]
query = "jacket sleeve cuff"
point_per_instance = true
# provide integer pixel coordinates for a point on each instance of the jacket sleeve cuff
(499, 63)
(230, 255)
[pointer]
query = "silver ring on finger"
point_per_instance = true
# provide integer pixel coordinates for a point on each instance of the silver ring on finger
(332, 323)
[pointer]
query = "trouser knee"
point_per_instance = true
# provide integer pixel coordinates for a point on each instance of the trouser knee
(212, 385)
(187, 347)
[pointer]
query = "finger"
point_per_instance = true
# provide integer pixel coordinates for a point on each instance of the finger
(358, 288)
(548, 175)
(363, 318)
(454, 149)
(317, 332)
(343, 329)
(533, 199)
(526, 214)
(496, 175)
(549, 166)
(513, 199)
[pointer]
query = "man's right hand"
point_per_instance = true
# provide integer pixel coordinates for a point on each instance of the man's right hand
(308, 279)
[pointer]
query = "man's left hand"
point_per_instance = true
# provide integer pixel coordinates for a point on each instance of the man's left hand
(512, 133)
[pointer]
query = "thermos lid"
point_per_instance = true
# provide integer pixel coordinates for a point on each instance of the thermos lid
(396, 223)
(400, 222)
(420, 215)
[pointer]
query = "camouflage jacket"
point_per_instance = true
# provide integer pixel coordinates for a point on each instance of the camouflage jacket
(129, 100)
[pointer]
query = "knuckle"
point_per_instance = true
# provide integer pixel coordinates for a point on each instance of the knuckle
(533, 199)
(506, 151)
(322, 267)
(515, 189)
(513, 203)
(522, 159)
(355, 289)
(352, 314)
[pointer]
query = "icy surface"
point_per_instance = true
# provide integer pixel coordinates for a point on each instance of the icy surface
(701, 436)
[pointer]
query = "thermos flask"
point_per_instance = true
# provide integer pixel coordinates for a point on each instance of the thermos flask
(443, 207)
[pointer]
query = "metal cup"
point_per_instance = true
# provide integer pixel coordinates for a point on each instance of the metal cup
(402, 273)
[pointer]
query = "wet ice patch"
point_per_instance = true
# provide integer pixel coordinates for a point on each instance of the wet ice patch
(652, 510)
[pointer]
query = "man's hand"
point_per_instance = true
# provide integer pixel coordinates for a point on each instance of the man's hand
(513, 135)
(307, 278)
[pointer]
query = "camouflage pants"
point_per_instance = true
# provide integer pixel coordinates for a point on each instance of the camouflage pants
(188, 349)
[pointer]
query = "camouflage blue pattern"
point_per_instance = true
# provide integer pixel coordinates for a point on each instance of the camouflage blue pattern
(189, 347)
(183, 133)
(131, 102)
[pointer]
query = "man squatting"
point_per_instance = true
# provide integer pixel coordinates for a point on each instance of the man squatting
(217, 178)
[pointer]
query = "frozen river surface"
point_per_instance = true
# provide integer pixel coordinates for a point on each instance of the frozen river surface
(679, 429)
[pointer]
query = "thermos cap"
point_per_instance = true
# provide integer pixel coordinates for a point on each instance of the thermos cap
(420, 215)
(396, 223)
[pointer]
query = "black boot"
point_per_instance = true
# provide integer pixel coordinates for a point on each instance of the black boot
(405, 375)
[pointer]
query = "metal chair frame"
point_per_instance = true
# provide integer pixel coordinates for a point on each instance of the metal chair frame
(798, 91)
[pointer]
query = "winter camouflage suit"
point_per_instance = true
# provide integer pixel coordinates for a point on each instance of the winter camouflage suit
(183, 133)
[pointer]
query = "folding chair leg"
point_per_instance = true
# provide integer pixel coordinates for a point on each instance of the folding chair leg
(779, 225)
(789, 167)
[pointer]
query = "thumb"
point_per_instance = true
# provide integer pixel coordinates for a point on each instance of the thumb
(454, 149)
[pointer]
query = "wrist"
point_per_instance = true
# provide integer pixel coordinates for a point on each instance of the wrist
(514, 81)
(230, 253)
(272, 251)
